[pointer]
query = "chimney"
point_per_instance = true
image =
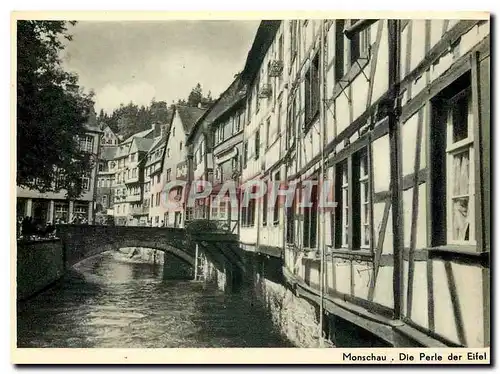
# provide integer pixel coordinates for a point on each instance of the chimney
(157, 129)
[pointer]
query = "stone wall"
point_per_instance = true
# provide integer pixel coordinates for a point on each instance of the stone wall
(39, 264)
(295, 317)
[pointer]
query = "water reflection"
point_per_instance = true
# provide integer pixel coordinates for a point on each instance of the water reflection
(106, 302)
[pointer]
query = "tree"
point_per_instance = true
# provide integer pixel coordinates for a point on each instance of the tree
(195, 96)
(52, 111)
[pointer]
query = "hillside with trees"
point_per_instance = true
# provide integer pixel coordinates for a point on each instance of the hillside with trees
(132, 118)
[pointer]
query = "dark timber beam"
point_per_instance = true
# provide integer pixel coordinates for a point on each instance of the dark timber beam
(395, 158)
(358, 27)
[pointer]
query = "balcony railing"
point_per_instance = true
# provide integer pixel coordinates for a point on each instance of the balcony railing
(133, 198)
(139, 211)
(132, 180)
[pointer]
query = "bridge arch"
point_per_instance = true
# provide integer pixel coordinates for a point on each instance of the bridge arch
(179, 253)
(83, 241)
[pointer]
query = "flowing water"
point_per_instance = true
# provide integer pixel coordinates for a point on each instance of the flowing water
(107, 302)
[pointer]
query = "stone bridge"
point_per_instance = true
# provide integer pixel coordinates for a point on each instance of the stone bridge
(221, 249)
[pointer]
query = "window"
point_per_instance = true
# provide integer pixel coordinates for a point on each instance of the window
(280, 108)
(86, 144)
(265, 209)
(453, 200)
(311, 217)
(293, 40)
(312, 91)
(257, 96)
(291, 123)
(215, 208)
(104, 201)
(276, 208)
(134, 172)
(158, 178)
(339, 50)
(353, 211)
(101, 166)
(360, 44)
(257, 144)
(238, 122)
(245, 154)
(248, 212)
(85, 182)
(268, 132)
(81, 210)
(168, 152)
(460, 165)
(290, 222)
(169, 173)
(173, 131)
(61, 212)
(364, 200)
(132, 157)
(228, 128)
(342, 216)
(152, 199)
(249, 115)
(280, 57)
(180, 146)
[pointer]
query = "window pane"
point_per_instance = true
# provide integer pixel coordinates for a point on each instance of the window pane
(461, 174)
(459, 117)
(460, 218)
(366, 241)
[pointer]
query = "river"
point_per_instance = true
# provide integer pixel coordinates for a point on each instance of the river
(107, 302)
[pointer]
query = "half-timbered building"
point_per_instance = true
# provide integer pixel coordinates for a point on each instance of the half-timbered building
(396, 114)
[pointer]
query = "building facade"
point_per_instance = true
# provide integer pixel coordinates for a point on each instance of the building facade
(226, 121)
(109, 138)
(105, 181)
(156, 177)
(200, 161)
(368, 105)
(388, 121)
(175, 164)
(129, 176)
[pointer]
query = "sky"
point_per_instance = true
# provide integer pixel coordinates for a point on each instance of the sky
(138, 60)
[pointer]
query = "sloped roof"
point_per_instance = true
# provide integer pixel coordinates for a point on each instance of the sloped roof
(228, 98)
(138, 135)
(143, 144)
(158, 142)
(232, 95)
(262, 41)
(108, 152)
(189, 116)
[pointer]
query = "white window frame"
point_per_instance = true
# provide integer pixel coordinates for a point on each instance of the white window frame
(364, 203)
(452, 150)
(85, 183)
(345, 206)
(86, 143)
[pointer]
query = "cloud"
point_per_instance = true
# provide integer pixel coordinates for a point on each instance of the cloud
(111, 95)
(136, 61)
